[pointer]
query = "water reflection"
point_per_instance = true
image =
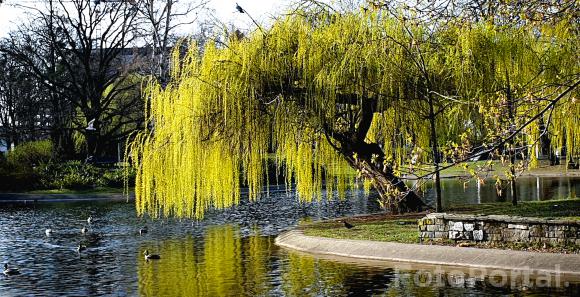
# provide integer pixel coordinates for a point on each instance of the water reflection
(230, 253)
(331, 276)
(529, 189)
(224, 264)
(219, 264)
(308, 276)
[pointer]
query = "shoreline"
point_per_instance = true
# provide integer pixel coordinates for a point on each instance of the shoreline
(433, 255)
(541, 172)
(272, 188)
(26, 198)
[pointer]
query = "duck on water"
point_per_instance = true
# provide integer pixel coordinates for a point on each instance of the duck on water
(9, 270)
(151, 256)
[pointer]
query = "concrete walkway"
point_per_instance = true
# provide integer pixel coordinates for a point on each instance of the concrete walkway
(532, 262)
(21, 198)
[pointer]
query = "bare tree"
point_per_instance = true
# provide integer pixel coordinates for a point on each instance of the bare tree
(159, 26)
(78, 50)
(515, 12)
(20, 104)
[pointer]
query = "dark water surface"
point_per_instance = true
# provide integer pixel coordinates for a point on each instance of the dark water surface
(230, 253)
(529, 188)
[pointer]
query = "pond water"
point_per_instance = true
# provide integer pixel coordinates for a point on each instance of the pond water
(528, 188)
(230, 253)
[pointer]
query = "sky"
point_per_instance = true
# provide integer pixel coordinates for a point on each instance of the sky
(225, 10)
(261, 10)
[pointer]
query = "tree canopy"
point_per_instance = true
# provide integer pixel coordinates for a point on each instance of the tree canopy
(327, 92)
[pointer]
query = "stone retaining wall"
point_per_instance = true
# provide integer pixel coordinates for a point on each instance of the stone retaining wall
(499, 229)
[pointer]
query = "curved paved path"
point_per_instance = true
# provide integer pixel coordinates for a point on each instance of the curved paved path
(533, 262)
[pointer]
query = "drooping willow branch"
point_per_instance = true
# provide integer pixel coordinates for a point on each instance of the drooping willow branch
(501, 143)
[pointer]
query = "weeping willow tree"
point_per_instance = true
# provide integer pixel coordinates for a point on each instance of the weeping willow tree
(323, 93)
(525, 80)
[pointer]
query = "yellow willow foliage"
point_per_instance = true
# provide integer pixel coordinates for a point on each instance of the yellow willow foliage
(399, 135)
(565, 128)
(563, 63)
(532, 64)
(209, 138)
(230, 107)
(533, 135)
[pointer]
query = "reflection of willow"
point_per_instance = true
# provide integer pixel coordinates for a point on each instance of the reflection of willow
(226, 266)
(307, 276)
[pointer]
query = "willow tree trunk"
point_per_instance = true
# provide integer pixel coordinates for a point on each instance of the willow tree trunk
(369, 158)
(436, 156)
(369, 161)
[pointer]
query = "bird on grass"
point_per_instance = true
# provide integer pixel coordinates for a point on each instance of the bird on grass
(347, 225)
(10, 271)
(151, 256)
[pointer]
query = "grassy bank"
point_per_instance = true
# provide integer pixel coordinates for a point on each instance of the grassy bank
(404, 229)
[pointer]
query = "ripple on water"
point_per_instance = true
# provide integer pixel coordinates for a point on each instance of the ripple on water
(230, 253)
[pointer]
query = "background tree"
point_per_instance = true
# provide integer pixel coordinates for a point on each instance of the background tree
(78, 51)
(23, 114)
(159, 26)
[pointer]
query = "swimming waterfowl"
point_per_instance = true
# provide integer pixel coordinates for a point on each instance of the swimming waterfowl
(10, 271)
(143, 230)
(84, 230)
(90, 220)
(81, 247)
(150, 256)
(48, 232)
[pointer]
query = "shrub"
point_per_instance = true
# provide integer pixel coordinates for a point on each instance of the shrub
(112, 178)
(17, 168)
(116, 178)
(28, 155)
(73, 175)
(75, 181)
(37, 171)
(18, 181)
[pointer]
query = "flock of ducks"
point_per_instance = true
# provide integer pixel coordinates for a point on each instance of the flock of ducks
(8, 271)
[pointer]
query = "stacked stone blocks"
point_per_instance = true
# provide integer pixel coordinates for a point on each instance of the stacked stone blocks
(498, 228)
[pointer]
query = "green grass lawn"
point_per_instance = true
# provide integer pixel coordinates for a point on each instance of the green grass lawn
(497, 168)
(404, 229)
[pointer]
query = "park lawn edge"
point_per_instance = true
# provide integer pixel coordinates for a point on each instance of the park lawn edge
(404, 229)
